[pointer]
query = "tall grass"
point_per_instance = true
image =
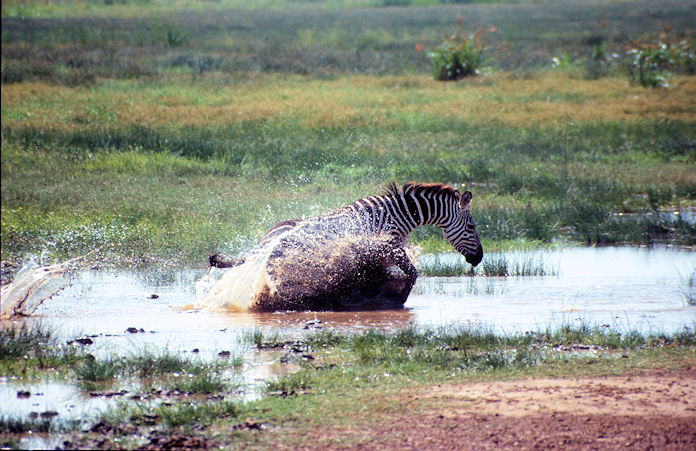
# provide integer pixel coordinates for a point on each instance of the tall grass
(140, 216)
(186, 134)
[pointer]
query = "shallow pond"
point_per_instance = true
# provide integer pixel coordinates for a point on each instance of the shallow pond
(625, 288)
(124, 312)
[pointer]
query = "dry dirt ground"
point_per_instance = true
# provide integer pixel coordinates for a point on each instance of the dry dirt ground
(648, 411)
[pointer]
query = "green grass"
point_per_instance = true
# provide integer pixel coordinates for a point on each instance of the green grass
(492, 265)
(361, 368)
(124, 201)
(204, 383)
(29, 351)
(375, 357)
(128, 8)
(351, 371)
(310, 39)
(161, 137)
(94, 374)
(190, 414)
(264, 339)
(190, 374)
(196, 376)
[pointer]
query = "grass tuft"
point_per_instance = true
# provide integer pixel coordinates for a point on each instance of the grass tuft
(493, 265)
(203, 383)
(187, 413)
(93, 374)
(26, 350)
(688, 288)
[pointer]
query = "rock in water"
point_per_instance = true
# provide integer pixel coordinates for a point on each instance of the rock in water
(321, 273)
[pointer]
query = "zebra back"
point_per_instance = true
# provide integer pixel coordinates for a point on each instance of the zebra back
(399, 210)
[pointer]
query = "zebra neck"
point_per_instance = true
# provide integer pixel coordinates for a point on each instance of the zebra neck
(410, 210)
(406, 213)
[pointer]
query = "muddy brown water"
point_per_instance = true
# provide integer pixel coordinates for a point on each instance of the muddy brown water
(126, 311)
(626, 288)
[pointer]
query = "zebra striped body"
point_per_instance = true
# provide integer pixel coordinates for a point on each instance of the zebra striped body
(397, 212)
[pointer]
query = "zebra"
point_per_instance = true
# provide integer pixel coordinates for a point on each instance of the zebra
(397, 212)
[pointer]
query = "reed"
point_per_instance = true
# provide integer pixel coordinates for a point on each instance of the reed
(493, 265)
(688, 288)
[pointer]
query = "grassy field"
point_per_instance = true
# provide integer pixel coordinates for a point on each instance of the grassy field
(163, 136)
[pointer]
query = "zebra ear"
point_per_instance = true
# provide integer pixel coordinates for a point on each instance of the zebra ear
(465, 200)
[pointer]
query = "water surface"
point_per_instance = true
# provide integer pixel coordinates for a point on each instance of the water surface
(624, 288)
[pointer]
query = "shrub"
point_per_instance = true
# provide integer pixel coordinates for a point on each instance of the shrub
(459, 56)
(651, 60)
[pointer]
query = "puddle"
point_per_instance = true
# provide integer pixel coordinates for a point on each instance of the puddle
(47, 402)
(23, 399)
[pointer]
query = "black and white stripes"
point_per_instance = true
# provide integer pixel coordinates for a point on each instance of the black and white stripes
(397, 212)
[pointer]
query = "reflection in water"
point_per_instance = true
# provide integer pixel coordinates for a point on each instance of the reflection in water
(307, 320)
(48, 396)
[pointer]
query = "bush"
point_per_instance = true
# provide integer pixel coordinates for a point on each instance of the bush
(459, 56)
(651, 60)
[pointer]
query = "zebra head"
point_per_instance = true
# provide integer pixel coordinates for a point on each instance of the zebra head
(460, 232)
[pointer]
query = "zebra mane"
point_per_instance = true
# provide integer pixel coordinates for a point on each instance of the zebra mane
(395, 191)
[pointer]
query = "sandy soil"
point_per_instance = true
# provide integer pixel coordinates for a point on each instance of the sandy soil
(650, 411)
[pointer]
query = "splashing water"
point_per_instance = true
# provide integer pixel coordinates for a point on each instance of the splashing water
(32, 285)
(236, 290)
(315, 266)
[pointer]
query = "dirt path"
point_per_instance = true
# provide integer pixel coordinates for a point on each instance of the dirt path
(650, 411)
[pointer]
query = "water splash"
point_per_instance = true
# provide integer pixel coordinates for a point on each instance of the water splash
(32, 285)
(236, 290)
(318, 265)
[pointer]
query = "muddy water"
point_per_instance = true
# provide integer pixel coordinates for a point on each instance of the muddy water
(124, 312)
(626, 288)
